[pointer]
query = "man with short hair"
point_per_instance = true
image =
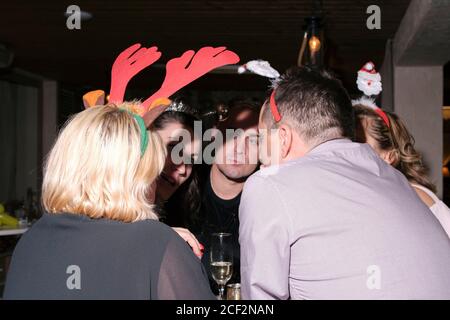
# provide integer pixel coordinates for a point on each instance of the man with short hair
(326, 218)
(235, 160)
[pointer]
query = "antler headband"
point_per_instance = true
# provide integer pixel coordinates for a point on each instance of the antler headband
(180, 72)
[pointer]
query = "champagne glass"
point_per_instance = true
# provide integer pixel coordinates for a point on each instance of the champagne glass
(234, 291)
(221, 260)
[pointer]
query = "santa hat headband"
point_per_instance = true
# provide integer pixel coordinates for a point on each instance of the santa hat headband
(369, 67)
(264, 69)
(369, 82)
(370, 103)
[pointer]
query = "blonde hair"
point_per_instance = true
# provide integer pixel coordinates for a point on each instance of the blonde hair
(96, 169)
(397, 140)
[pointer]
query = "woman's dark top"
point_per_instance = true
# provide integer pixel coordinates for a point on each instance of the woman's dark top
(68, 256)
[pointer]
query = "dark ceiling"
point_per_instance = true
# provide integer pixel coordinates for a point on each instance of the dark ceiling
(270, 30)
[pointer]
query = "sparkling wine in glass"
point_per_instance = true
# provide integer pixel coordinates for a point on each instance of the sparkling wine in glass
(221, 260)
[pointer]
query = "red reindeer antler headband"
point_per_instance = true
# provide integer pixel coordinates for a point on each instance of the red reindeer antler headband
(180, 72)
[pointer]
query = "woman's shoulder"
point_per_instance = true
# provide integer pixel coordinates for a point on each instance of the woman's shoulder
(425, 195)
(148, 229)
(154, 227)
(169, 241)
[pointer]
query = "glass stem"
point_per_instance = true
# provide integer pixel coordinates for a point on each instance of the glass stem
(221, 291)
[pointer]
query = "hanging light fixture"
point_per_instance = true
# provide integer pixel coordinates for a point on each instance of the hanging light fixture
(311, 50)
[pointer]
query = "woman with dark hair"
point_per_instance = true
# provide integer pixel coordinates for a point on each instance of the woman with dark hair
(389, 137)
(177, 189)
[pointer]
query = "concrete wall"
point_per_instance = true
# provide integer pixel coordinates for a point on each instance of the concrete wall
(413, 77)
(418, 101)
(49, 115)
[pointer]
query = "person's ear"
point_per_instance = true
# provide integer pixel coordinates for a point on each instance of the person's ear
(389, 157)
(285, 135)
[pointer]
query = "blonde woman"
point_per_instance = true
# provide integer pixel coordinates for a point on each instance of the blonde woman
(100, 237)
(389, 137)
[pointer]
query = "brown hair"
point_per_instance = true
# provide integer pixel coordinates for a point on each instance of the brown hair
(396, 139)
(183, 207)
(235, 107)
(314, 102)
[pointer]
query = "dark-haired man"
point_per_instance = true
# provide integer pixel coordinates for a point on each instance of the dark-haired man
(327, 218)
(235, 160)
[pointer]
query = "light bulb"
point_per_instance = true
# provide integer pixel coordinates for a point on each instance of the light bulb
(314, 44)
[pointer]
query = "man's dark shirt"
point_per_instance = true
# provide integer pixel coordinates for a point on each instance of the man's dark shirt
(219, 215)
